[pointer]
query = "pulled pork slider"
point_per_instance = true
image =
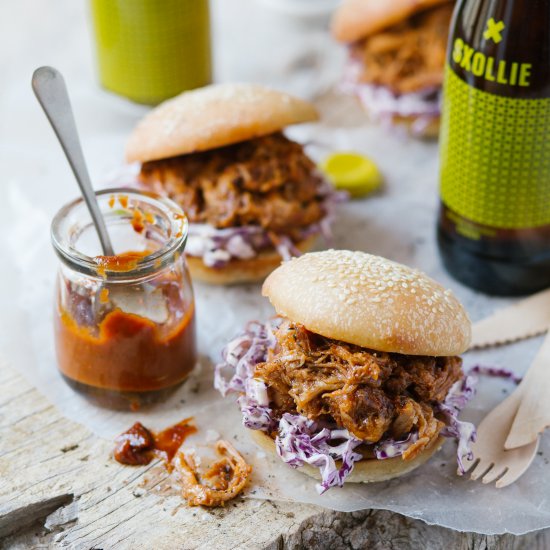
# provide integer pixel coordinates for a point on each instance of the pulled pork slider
(358, 379)
(396, 58)
(251, 195)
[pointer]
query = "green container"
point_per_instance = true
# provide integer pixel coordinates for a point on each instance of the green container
(151, 50)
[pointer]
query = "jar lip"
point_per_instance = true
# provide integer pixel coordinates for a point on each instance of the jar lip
(175, 243)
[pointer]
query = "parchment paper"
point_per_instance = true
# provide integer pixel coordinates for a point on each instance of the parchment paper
(397, 223)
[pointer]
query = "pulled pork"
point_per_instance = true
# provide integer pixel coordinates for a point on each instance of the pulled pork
(372, 394)
(408, 57)
(267, 181)
(223, 481)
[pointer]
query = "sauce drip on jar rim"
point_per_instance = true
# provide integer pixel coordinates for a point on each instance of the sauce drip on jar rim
(120, 263)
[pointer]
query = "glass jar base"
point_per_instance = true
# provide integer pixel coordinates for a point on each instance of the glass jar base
(122, 400)
(490, 275)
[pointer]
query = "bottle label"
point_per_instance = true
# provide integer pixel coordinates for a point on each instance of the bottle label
(490, 68)
(495, 151)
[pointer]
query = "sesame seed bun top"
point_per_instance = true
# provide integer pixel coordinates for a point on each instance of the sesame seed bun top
(371, 302)
(214, 116)
(357, 19)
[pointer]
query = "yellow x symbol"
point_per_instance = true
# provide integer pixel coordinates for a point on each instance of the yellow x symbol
(494, 31)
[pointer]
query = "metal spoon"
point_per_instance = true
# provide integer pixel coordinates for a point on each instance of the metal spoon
(50, 90)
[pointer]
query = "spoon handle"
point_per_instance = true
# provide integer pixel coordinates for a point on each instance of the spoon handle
(50, 90)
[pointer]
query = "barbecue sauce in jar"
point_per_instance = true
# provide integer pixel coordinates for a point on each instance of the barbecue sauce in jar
(494, 223)
(125, 324)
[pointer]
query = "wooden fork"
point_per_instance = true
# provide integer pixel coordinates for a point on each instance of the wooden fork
(491, 462)
(533, 414)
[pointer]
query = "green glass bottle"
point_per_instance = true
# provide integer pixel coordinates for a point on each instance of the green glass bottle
(494, 223)
(151, 50)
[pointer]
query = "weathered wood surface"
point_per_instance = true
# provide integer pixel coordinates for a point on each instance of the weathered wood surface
(60, 488)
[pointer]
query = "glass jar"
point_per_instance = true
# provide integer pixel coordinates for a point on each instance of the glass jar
(124, 324)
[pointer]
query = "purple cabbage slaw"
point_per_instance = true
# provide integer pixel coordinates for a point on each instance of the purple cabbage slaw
(497, 372)
(464, 432)
(303, 441)
(390, 448)
(384, 105)
(217, 247)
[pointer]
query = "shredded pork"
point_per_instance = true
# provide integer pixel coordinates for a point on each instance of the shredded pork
(408, 57)
(372, 394)
(223, 481)
(268, 181)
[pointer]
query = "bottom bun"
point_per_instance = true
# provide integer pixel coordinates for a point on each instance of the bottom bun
(242, 271)
(367, 470)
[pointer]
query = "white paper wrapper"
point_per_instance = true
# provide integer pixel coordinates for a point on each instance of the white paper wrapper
(399, 223)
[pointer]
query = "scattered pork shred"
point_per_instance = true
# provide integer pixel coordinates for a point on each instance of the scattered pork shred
(223, 481)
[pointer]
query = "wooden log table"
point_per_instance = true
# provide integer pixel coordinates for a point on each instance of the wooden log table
(61, 488)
